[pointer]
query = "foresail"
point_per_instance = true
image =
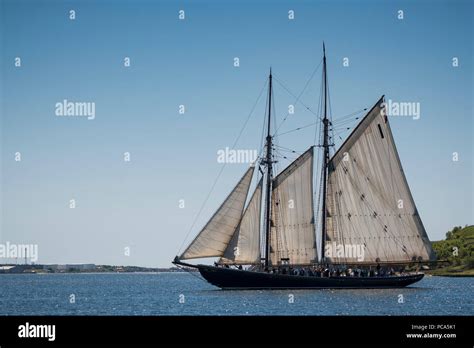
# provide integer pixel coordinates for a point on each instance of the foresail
(244, 247)
(371, 215)
(292, 233)
(217, 233)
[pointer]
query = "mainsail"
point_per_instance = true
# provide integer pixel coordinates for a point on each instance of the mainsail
(217, 233)
(292, 234)
(244, 247)
(369, 202)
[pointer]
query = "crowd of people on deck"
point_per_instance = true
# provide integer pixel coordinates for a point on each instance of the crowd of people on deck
(330, 271)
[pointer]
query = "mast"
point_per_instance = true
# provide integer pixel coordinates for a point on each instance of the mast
(268, 163)
(325, 156)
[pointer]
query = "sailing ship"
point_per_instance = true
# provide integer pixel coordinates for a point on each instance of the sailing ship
(366, 204)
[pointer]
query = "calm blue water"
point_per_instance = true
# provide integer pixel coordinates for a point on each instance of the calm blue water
(159, 294)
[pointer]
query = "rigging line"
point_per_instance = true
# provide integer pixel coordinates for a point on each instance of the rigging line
(331, 148)
(339, 134)
(329, 100)
(319, 109)
(191, 272)
(286, 157)
(288, 149)
(297, 100)
(297, 129)
(301, 93)
(350, 115)
(282, 156)
(262, 139)
(341, 123)
(341, 131)
(222, 168)
(338, 124)
(341, 128)
(262, 149)
(346, 120)
(276, 168)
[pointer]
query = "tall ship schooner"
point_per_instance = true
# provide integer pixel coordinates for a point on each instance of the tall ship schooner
(369, 230)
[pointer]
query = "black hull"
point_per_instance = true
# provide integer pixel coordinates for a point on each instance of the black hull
(227, 278)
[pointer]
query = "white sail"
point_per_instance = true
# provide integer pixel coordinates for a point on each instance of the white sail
(369, 204)
(217, 233)
(292, 233)
(244, 247)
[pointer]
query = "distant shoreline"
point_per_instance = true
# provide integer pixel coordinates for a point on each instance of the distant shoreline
(81, 268)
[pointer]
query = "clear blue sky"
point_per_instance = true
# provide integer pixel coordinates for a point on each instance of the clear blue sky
(190, 62)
